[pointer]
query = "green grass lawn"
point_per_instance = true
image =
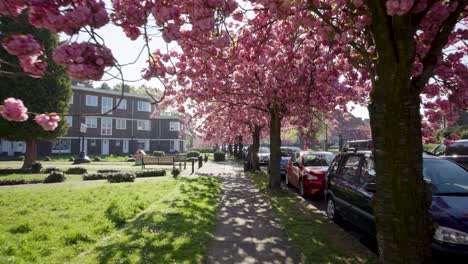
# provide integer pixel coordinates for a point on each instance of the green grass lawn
(316, 239)
(40, 176)
(151, 221)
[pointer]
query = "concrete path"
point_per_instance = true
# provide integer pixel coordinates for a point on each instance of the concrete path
(247, 230)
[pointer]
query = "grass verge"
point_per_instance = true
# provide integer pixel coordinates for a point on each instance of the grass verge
(317, 240)
(152, 221)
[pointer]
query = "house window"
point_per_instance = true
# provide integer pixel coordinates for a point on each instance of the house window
(123, 104)
(106, 126)
(121, 124)
(106, 104)
(70, 121)
(141, 144)
(174, 126)
(92, 142)
(144, 106)
(62, 146)
(71, 99)
(117, 143)
(172, 145)
(91, 122)
(91, 100)
(143, 125)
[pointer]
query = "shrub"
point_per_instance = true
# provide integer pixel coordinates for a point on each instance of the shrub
(175, 172)
(76, 170)
(71, 159)
(131, 160)
(203, 150)
(121, 177)
(19, 181)
(97, 159)
(107, 171)
(47, 158)
(158, 153)
(20, 158)
(36, 167)
(51, 169)
(219, 156)
(193, 154)
(14, 171)
(55, 176)
(94, 176)
(150, 173)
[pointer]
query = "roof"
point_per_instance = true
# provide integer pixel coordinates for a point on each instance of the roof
(110, 92)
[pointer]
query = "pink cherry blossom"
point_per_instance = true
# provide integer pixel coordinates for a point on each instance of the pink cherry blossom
(48, 122)
(12, 7)
(14, 110)
(84, 60)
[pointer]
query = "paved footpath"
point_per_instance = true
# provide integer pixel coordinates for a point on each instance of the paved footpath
(247, 230)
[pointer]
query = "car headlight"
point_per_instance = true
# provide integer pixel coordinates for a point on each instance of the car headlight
(449, 235)
(311, 177)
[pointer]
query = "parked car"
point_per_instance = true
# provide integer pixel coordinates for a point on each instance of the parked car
(264, 156)
(358, 144)
(350, 187)
(457, 151)
(286, 154)
(306, 171)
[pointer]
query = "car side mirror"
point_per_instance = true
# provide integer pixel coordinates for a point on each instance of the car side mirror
(295, 164)
(370, 187)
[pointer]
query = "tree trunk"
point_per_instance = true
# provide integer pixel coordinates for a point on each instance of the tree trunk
(31, 153)
(404, 229)
(241, 149)
(254, 161)
(275, 148)
(235, 150)
(230, 149)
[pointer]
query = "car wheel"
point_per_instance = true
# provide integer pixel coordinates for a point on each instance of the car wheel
(301, 189)
(332, 213)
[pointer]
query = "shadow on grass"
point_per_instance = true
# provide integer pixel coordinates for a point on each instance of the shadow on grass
(176, 230)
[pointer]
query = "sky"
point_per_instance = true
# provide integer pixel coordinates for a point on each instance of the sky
(126, 51)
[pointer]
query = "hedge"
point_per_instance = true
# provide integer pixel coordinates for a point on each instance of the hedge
(203, 150)
(94, 176)
(193, 154)
(14, 171)
(55, 176)
(76, 170)
(158, 153)
(107, 171)
(51, 169)
(19, 181)
(121, 177)
(150, 173)
(219, 156)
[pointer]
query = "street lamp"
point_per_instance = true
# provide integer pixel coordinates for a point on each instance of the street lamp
(82, 158)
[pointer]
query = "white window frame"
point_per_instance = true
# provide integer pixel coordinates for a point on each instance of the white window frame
(122, 105)
(68, 150)
(91, 100)
(106, 129)
(106, 104)
(120, 123)
(143, 106)
(92, 124)
(70, 121)
(174, 126)
(144, 125)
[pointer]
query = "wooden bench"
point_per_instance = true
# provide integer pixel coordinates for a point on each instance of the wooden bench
(163, 160)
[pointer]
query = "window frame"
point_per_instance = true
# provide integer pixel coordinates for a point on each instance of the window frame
(120, 121)
(355, 180)
(70, 121)
(174, 126)
(142, 128)
(140, 106)
(59, 151)
(105, 130)
(105, 99)
(122, 105)
(91, 118)
(89, 103)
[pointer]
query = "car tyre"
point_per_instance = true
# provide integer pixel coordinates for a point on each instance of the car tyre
(332, 213)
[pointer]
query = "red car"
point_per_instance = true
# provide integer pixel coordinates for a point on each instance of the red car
(306, 171)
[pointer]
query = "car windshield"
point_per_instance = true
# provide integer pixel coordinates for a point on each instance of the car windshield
(264, 150)
(446, 177)
(318, 159)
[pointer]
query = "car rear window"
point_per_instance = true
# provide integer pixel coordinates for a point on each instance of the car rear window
(317, 160)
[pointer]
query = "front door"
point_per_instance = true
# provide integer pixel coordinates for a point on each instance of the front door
(125, 146)
(105, 147)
